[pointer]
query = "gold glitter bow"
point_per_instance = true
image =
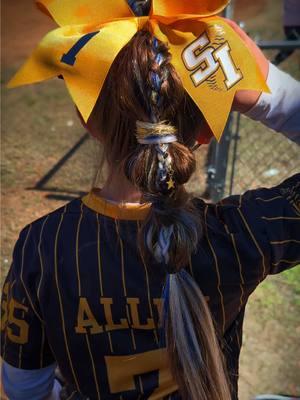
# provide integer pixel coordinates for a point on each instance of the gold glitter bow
(210, 58)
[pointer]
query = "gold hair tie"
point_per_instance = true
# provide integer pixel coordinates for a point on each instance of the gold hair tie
(158, 133)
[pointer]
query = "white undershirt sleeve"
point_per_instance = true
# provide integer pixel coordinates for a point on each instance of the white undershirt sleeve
(280, 109)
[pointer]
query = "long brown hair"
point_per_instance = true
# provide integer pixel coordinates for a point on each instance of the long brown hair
(128, 95)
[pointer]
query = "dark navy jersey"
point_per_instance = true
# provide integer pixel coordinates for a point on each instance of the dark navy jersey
(79, 294)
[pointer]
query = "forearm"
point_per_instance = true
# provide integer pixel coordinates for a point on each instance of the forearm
(280, 109)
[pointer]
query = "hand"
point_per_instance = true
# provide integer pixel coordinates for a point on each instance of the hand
(245, 99)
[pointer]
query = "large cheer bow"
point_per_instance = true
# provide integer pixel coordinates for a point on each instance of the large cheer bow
(209, 56)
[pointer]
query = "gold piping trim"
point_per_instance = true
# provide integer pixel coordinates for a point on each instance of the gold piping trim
(117, 211)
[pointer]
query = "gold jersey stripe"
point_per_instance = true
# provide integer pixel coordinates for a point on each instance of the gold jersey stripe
(285, 241)
(131, 330)
(240, 269)
(60, 299)
(41, 258)
(281, 218)
(22, 280)
(110, 342)
(286, 261)
(217, 272)
(20, 346)
(239, 264)
(93, 366)
(148, 290)
(267, 200)
(122, 258)
(77, 255)
(255, 242)
(8, 301)
(99, 256)
(141, 384)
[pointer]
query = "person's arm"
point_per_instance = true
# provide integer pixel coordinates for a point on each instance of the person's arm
(280, 109)
(278, 218)
(28, 363)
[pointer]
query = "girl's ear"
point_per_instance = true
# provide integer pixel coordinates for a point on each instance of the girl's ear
(89, 126)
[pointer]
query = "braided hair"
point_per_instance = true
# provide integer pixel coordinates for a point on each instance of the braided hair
(170, 235)
(141, 103)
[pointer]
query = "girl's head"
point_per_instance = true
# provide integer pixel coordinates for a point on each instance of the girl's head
(143, 101)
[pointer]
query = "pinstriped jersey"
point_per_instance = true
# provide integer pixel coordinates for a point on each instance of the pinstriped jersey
(78, 292)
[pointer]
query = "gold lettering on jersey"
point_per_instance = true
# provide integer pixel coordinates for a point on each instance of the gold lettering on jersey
(121, 371)
(86, 319)
(22, 336)
(4, 306)
(110, 324)
(136, 324)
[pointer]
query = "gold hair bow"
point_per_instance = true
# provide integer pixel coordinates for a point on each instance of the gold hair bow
(210, 58)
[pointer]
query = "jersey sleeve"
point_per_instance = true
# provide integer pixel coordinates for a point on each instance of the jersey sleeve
(23, 335)
(279, 211)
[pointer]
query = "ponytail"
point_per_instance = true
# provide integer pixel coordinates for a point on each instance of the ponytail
(156, 157)
(193, 349)
(169, 235)
(160, 166)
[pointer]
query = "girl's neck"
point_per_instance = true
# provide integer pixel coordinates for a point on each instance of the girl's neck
(117, 188)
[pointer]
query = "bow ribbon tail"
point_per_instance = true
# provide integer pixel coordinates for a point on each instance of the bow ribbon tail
(76, 12)
(73, 53)
(212, 62)
(178, 7)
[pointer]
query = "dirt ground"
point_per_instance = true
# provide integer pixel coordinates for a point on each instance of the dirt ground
(39, 126)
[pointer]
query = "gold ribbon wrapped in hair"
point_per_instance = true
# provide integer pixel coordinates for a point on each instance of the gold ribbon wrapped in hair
(210, 58)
